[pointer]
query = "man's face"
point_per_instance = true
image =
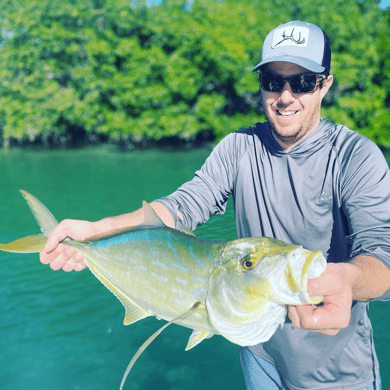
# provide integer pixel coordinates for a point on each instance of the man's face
(293, 116)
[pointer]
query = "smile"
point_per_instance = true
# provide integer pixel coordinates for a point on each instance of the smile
(286, 113)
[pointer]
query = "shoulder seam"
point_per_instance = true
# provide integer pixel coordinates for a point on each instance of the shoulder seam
(246, 150)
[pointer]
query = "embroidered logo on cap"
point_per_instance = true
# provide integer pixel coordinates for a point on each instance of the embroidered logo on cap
(291, 36)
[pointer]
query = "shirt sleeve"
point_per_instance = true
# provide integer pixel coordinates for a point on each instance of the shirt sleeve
(365, 190)
(207, 193)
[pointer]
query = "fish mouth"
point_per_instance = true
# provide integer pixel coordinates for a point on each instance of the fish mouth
(303, 265)
(314, 265)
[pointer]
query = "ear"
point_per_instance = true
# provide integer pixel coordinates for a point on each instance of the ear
(326, 85)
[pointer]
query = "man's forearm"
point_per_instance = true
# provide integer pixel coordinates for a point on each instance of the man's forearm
(133, 219)
(369, 277)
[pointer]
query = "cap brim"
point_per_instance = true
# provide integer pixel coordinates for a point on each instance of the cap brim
(304, 62)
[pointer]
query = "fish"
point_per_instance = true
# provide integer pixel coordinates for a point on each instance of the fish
(237, 289)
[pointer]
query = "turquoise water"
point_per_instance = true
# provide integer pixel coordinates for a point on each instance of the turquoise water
(64, 331)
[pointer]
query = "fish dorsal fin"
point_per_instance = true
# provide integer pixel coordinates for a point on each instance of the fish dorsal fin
(151, 218)
(184, 229)
(43, 216)
(196, 338)
(152, 338)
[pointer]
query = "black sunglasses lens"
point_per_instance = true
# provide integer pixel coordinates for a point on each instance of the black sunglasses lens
(272, 82)
(302, 83)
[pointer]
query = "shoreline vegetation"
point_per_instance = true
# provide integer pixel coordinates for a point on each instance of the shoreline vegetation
(68, 140)
(177, 74)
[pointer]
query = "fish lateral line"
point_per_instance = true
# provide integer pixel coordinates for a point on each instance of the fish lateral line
(233, 300)
(152, 338)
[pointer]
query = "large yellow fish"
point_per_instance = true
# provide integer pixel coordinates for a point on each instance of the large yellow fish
(238, 289)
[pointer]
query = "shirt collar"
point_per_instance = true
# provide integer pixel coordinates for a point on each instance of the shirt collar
(309, 144)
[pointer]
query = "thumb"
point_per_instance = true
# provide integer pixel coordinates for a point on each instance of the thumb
(59, 233)
(330, 282)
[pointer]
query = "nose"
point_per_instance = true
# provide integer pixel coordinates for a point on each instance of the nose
(286, 96)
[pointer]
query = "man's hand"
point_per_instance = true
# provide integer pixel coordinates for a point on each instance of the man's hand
(363, 278)
(61, 256)
(334, 313)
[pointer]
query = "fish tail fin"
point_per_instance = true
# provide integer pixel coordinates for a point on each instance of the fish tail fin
(37, 242)
(29, 244)
(43, 216)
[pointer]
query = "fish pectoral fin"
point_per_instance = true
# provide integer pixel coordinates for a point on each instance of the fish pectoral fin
(134, 314)
(153, 337)
(196, 338)
(29, 244)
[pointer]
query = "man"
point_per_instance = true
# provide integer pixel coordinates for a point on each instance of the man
(304, 180)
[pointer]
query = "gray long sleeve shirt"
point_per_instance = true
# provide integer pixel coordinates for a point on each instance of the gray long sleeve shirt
(329, 192)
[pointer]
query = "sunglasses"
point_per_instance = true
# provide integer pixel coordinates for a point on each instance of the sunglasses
(299, 83)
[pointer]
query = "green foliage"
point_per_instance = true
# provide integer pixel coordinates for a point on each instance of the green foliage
(359, 33)
(130, 72)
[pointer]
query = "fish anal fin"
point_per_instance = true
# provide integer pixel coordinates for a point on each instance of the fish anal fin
(133, 311)
(134, 314)
(29, 244)
(196, 338)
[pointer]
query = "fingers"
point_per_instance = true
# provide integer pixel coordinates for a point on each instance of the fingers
(334, 312)
(80, 265)
(59, 234)
(62, 260)
(60, 256)
(332, 281)
(75, 263)
(64, 257)
(314, 319)
(328, 318)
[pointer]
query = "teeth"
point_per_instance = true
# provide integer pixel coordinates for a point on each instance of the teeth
(286, 113)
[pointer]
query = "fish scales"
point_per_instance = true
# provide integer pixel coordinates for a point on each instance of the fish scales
(238, 289)
(155, 273)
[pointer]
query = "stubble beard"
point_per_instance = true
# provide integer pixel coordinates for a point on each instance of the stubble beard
(288, 140)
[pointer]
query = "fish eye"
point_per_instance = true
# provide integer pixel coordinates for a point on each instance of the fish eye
(247, 263)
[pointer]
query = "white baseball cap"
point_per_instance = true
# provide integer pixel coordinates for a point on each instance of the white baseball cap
(299, 43)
